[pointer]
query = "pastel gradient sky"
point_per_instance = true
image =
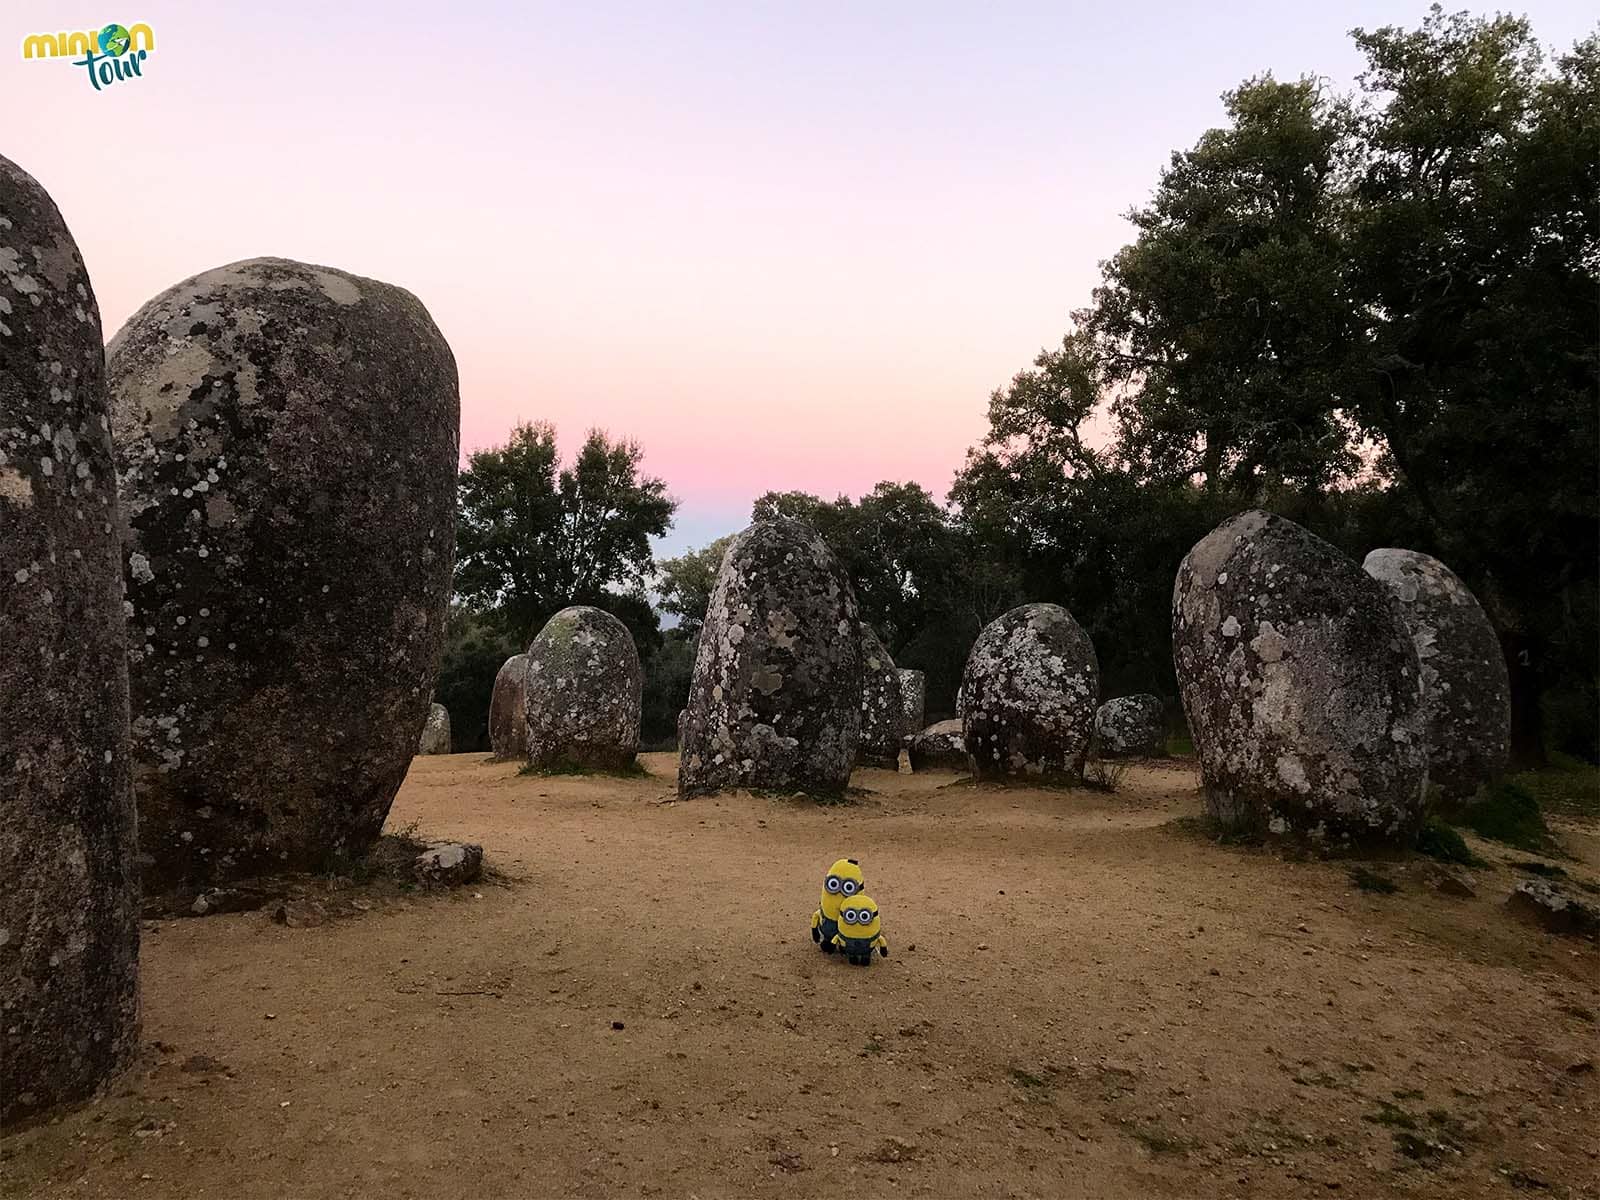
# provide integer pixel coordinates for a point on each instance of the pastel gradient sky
(781, 245)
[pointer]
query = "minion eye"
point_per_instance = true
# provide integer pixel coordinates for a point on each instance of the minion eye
(848, 916)
(851, 887)
(833, 883)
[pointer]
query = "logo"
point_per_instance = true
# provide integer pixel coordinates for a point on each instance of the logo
(110, 55)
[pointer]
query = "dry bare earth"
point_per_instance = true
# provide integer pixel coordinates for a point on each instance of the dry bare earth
(1084, 999)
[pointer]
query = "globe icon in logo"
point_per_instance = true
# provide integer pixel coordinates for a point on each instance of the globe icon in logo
(114, 40)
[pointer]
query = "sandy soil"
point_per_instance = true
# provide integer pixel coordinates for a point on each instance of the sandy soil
(1084, 998)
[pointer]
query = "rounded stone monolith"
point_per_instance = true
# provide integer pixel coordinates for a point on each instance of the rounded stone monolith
(286, 440)
(775, 701)
(435, 737)
(1131, 726)
(1029, 694)
(880, 703)
(508, 709)
(1301, 686)
(69, 893)
(583, 693)
(1466, 693)
(942, 746)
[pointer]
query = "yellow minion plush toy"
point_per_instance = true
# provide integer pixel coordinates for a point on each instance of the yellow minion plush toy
(860, 931)
(843, 882)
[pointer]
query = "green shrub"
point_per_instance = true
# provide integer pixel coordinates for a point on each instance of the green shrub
(1440, 841)
(1507, 812)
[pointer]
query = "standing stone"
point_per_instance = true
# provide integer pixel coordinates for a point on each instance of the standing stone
(913, 701)
(435, 737)
(584, 690)
(942, 746)
(1131, 725)
(508, 709)
(69, 894)
(775, 701)
(1466, 695)
(880, 703)
(1301, 686)
(1028, 695)
(286, 440)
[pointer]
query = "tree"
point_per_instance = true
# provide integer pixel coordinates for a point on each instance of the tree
(533, 537)
(685, 584)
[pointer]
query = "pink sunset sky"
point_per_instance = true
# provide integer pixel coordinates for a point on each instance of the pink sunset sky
(780, 245)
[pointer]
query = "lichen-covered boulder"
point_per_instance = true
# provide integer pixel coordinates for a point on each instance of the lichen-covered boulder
(1131, 725)
(880, 703)
(69, 895)
(508, 709)
(1301, 686)
(1466, 695)
(286, 442)
(449, 864)
(942, 746)
(583, 693)
(775, 701)
(435, 737)
(1029, 694)
(913, 701)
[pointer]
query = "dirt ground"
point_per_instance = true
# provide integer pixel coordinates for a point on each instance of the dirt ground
(1084, 998)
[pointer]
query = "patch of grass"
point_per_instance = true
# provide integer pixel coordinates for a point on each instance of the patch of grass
(1371, 881)
(1103, 774)
(1417, 1147)
(1543, 870)
(1024, 1079)
(1157, 1140)
(871, 1048)
(1390, 1115)
(1180, 745)
(1439, 841)
(634, 770)
(1568, 786)
(1506, 812)
(1577, 1010)
(1408, 1094)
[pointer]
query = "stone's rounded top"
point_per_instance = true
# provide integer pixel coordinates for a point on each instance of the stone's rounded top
(775, 701)
(1411, 575)
(1131, 725)
(1466, 688)
(941, 745)
(1029, 694)
(49, 322)
(1300, 683)
(582, 692)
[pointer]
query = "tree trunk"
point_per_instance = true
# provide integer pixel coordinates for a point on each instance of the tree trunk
(1527, 687)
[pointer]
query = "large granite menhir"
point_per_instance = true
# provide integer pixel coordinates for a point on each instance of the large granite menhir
(1028, 696)
(287, 438)
(1131, 725)
(1301, 685)
(1466, 693)
(583, 693)
(775, 701)
(880, 703)
(69, 892)
(508, 709)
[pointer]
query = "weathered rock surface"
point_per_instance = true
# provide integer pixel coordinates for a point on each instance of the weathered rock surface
(449, 864)
(775, 701)
(1554, 910)
(1029, 694)
(880, 703)
(435, 737)
(1301, 686)
(583, 692)
(508, 709)
(913, 701)
(69, 896)
(1131, 725)
(1466, 695)
(942, 746)
(286, 439)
